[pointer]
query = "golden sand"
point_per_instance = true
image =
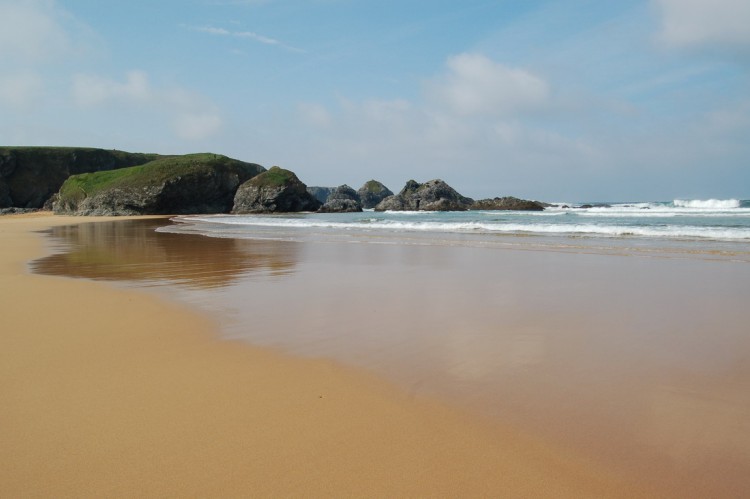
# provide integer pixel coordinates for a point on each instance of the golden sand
(116, 393)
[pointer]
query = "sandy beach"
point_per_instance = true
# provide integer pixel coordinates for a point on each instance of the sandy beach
(116, 393)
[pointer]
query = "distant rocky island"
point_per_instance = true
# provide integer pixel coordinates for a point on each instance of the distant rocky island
(89, 181)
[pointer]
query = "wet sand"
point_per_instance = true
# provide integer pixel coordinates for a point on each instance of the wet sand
(111, 392)
(635, 362)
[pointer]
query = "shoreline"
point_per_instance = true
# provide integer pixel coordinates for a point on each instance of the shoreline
(113, 392)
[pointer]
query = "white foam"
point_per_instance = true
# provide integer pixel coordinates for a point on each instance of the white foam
(708, 204)
(476, 227)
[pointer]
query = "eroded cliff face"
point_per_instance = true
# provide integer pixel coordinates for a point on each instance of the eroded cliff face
(29, 176)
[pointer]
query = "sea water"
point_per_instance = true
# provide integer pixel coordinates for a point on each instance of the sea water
(707, 227)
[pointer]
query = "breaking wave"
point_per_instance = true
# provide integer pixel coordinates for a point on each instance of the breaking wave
(707, 204)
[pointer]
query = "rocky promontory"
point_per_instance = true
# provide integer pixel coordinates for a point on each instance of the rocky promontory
(276, 190)
(434, 195)
(342, 199)
(193, 183)
(29, 176)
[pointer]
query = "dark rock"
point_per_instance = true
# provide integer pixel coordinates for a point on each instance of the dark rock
(5, 199)
(434, 195)
(341, 200)
(49, 205)
(372, 193)
(507, 203)
(594, 205)
(14, 211)
(320, 193)
(276, 190)
(30, 175)
(193, 183)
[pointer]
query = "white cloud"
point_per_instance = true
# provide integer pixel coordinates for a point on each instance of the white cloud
(20, 90)
(192, 116)
(40, 31)
(688, 23)
(92, 90)
(476, 85)
(31, 31)
(472, 118)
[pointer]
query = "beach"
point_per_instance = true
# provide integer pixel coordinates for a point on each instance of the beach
(217, 366)
(116, 393)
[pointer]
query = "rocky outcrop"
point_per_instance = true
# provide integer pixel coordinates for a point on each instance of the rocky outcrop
(434, 195)
(372, 193)
(29, 176)
(320, 193)
(274, 191)
(193, 183)
(507, 203)
(343, 199)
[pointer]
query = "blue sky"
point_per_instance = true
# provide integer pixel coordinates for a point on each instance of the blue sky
(554, 100)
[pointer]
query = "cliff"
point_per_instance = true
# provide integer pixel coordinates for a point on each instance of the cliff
(29, 176)
(193, 183)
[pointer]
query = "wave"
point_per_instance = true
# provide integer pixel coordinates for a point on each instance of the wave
(707, 204)
(470, 227)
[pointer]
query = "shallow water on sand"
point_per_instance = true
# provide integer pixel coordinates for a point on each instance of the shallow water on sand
(640, 363)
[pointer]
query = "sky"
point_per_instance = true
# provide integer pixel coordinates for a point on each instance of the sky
(575, 100)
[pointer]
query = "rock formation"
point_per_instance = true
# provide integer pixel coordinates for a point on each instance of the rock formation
(276, 190)
(372, 193)
(507, 203)
(194, 183)
(29, 176)
(341, 200)
(434, 195)
(320, 193)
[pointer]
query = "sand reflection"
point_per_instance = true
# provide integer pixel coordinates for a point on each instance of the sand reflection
(132, 250)
(637, 363)
(627, 360)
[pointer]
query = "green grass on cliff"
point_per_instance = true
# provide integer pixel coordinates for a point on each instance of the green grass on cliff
(153, 173)
(274, 177)
(374, 187)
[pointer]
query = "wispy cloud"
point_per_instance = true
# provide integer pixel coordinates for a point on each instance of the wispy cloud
(266, 40)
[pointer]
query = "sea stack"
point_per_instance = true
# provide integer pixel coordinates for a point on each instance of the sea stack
(274, 191)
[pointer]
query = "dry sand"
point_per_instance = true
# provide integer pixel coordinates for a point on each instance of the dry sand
(115, 393)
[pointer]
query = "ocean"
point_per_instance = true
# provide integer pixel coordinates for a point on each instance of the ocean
(704, 227)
